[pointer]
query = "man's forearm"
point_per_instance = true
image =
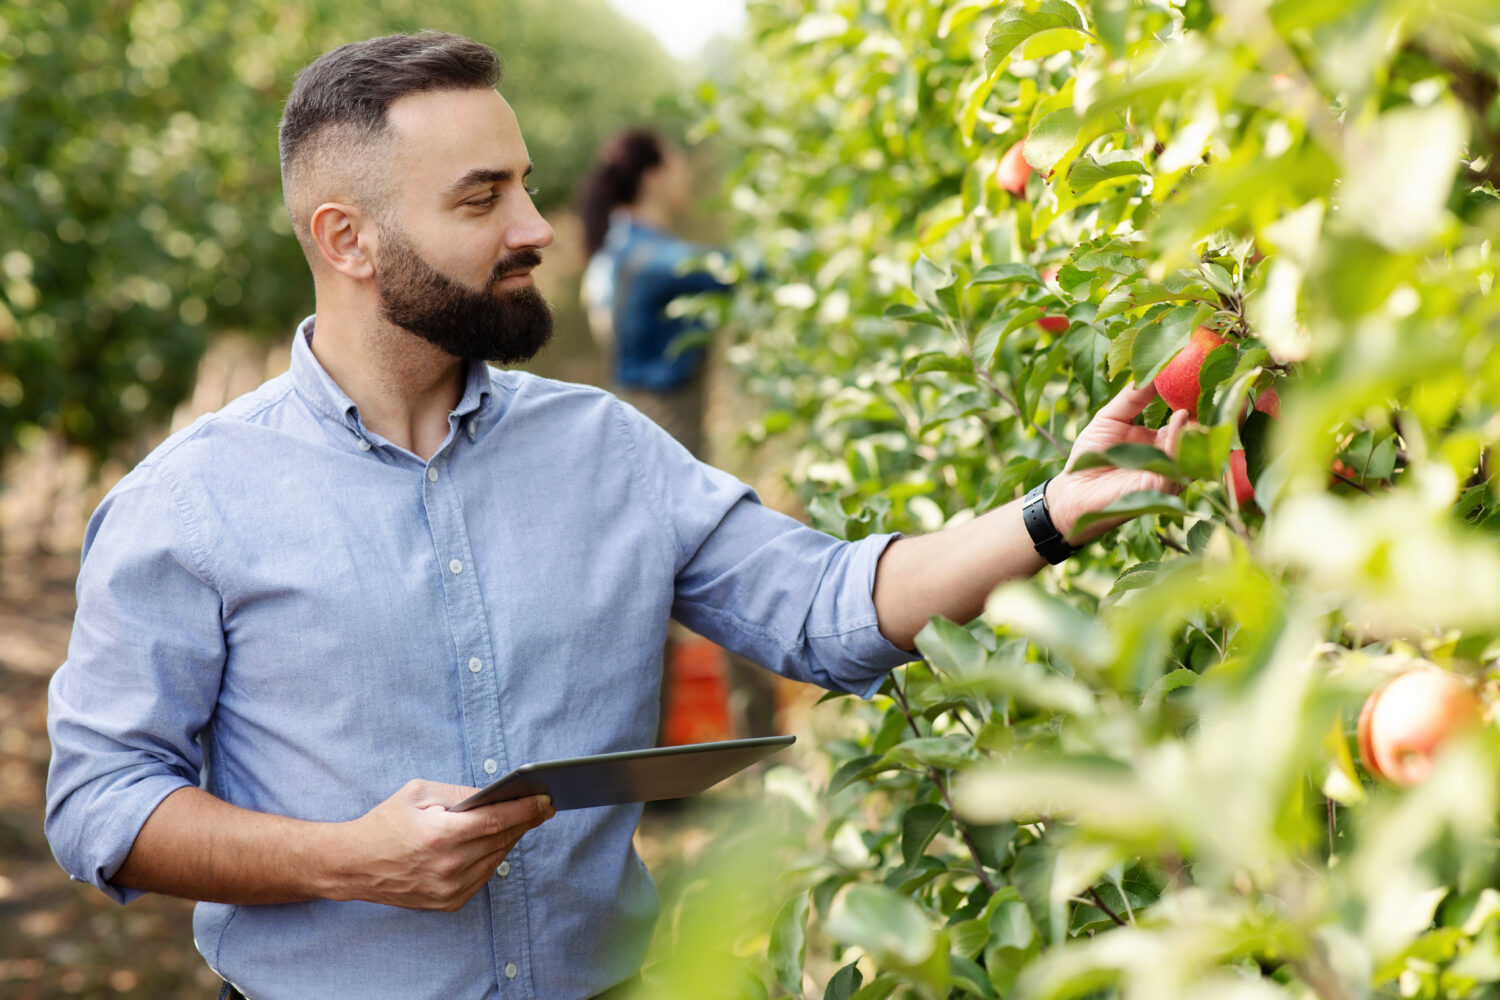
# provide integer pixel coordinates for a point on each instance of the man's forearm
(951, 572)
(197, 846)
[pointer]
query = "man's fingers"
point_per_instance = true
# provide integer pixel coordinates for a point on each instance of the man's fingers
(1171, 434)
(488, 821)
(1128, 402)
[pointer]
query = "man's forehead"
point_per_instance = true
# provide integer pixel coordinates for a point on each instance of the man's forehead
(454, 131)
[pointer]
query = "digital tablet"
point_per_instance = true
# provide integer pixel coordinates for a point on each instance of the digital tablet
(609, 779)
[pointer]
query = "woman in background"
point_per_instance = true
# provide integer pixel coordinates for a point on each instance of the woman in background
(637, 189)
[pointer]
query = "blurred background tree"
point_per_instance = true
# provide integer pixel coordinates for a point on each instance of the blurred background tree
(140, 199)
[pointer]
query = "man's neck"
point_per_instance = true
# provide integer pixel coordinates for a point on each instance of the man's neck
(404, 387)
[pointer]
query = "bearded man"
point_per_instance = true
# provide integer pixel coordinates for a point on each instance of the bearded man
(310, 622)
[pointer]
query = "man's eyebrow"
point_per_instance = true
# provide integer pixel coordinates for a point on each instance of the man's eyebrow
(484, 175)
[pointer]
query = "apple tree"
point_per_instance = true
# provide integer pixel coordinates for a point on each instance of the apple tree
(1136, 776)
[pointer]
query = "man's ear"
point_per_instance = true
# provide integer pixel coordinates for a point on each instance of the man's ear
(343, 236)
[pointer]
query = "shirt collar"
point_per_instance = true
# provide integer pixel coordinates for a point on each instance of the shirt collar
(316, 386)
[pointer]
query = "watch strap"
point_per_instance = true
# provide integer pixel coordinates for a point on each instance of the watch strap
(1048, 541)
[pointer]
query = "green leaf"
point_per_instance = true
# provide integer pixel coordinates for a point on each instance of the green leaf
(844, 983)
(885, 923)
(1000, 274)
(918, 826)
(1088, 350)
(1048, 621)
(936, 361)
(1129, 456)
(1120, 350)
(1218, 365)
(1134, 505)
(951, 648)
(904, 313)
(1202, 450)
(851, 771)
(1016, 24)
(1156, 344)
(788, 948)
(1109, 23)
(879, 988)
(968, 937)
(968, 975)
(1050, 139)
(942, 752)
(1088, 172)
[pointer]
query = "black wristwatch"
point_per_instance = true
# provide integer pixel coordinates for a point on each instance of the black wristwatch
(1049, 542)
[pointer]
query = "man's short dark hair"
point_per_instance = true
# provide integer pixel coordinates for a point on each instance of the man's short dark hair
(340, 101)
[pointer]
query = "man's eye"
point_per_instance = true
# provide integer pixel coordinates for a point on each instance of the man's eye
(484, 202)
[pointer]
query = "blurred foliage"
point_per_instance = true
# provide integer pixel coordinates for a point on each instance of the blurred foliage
(1133, 777)
(140, 198)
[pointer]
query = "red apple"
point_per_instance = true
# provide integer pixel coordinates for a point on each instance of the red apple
(1178, 381)
(1238, 478)
(1052, 324)
(1406, 721)
(1269, 403)
(1013, 170)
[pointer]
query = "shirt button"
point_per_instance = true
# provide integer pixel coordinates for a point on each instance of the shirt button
(504, 869)
(456, 567)
(431, 474)
(490, 767)
(364, 445)
(475, 664)
(510, 970)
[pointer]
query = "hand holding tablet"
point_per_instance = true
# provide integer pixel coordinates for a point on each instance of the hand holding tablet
(609, 779)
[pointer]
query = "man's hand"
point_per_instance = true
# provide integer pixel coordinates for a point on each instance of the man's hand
(1075, 493)
(410, 851)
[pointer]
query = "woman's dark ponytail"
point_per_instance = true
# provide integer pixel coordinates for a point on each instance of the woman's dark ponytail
(615, 180)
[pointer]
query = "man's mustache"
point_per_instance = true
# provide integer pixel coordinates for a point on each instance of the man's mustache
(521, 260)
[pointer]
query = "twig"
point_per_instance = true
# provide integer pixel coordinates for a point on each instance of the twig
(1172, 543)
(937, 779)
(985, 377)
(1094, 895)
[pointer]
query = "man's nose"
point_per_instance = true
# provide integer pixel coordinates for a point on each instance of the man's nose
(531, 230)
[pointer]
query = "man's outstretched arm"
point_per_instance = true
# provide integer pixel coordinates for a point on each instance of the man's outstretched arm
(951, 573)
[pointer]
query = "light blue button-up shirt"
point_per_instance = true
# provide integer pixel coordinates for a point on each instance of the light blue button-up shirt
(300, 616)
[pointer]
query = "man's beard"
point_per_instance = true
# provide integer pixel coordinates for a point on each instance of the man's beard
(475, 326)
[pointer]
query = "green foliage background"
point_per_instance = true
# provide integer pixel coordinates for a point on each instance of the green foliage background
(1133, 777)
(140, 199)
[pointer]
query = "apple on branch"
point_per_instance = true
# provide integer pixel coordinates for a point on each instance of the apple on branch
(1406, 721)
(1052, 324)
(1177, 383)
(1013, 170)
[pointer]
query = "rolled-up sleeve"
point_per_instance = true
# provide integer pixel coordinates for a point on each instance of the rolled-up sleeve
(791, 598)
(140, 682)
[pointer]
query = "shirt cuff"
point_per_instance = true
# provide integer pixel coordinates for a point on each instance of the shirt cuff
(124, 827)
(862, 641)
